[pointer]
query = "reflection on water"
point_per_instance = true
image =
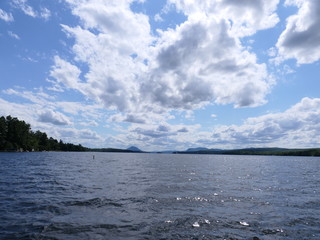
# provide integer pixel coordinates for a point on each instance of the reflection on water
(150, 196)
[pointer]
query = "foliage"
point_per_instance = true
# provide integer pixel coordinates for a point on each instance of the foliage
(17, 135)
(261, 151)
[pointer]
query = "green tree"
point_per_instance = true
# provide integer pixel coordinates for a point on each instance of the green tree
(16, 134)
(3, 133)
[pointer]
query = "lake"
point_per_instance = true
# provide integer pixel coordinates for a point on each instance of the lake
(158, 196)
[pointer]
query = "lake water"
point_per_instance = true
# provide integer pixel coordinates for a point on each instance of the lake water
(154, 196)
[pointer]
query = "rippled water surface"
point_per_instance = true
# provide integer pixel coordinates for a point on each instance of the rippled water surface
(150, 196)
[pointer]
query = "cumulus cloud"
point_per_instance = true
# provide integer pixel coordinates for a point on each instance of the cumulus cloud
(246, 16)
(153, 133)
(111, 78)
(65, 73)
(197, 63)
(7, 17)
(301, 38)
(88, 134)
(86, 137)
(296, 127)
(203, 62)
(55, 118)
(48, 115)
(131, 118)
(162, 135)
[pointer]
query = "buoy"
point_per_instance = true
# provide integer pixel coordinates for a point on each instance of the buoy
(93, 157)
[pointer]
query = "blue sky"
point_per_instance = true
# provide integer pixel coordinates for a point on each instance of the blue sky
(164, 74)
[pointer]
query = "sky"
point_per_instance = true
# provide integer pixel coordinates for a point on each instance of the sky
(164, 74)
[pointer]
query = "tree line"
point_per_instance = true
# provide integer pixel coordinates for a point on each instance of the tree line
(16, 135)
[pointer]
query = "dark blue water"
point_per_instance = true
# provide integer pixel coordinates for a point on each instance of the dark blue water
(149, 196)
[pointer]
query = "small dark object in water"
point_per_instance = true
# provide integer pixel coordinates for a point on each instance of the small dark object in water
(92, 156)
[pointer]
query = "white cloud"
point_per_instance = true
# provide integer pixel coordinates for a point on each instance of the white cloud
(45, 13)
(158, 18)
(162, 135)
(202, 62)
(55, 118)
(66, 73)
(296, 127)
(37, 96)
(24, 6)
(90, 123)
(27, 9)
(86, 137)
(199, 62)
(145, 79)
(245, 16)
(13, 35)
(17, 110)
(301, 38)
(41, 100)
(47, 110)
(131, 118)
(7, 17)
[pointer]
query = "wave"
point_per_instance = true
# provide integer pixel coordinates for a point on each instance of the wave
(94, 202)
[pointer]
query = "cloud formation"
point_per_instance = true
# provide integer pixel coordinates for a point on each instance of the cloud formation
(197, 63)
(135, 83)
(55, 118)
(201, 63)
(13, 35)
(297, 126)
(7, 17)
(245, 16)
(301, 38)
(29, 10)
(25, 7)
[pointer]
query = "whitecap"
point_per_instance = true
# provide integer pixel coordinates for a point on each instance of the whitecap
(244, 224)
(196, 224)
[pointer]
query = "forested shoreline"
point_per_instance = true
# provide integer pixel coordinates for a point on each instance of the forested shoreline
(16, 135)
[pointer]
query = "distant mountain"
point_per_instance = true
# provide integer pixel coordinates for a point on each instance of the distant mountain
(202, 149)
(196, 149)
(134, 149)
